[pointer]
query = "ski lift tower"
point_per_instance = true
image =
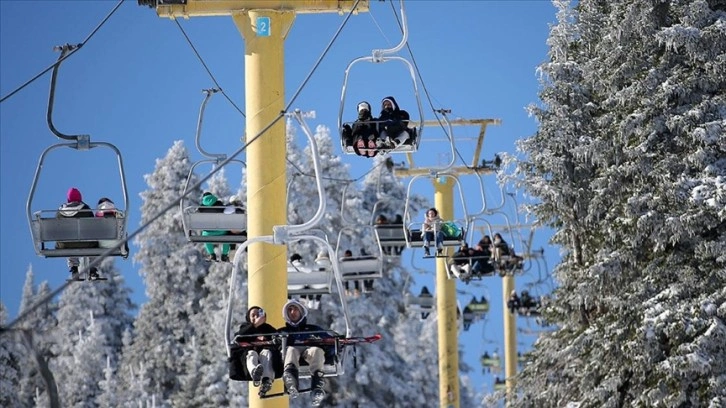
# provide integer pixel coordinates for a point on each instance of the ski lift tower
(264, 24)
(448, 342)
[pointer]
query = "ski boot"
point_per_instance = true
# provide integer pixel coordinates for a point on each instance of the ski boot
(289, 378)
(316, 387)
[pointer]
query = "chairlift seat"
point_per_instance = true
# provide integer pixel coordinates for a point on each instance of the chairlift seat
(362, 267)
(308, 281)
(419, 303)
(490, 361)
(391, 235)
(89, 230)
(409, 146)
(416, 239)
(195, 222)
(479, 308)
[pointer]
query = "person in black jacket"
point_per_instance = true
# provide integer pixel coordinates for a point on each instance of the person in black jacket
(364, 133)
(76, 208)
(392, 124)
(260, 360)
(295, 315)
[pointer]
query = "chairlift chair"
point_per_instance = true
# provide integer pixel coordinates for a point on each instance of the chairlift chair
(308, 280)
(488, 361)
(382, 56)
(211, 218)
(48, 230)
(413, 230)
(104, 235)
(361, 267)
(424, 303)
(389, 235)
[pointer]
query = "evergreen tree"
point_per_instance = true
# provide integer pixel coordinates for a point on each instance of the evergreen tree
(629, 166)
(92, 318)
(10, 360)
(173, 272)
(39, 345)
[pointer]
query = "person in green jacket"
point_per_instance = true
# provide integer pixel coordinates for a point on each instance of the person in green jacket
(213, 204)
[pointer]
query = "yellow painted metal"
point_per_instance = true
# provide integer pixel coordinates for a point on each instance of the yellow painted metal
(474, 168)
(206, 8)
(454, 170)
(448, 335)
(449, 393)
(266, 174)
(510, 337)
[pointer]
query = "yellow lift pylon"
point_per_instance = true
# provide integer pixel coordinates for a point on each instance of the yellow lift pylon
(449, 395)
(264, 24)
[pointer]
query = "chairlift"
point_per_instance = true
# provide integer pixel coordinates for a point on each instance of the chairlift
(424, 303)
(196, 218)
(285, 234)
(413, 230)
(479, 307)
(363, 266)
(99, 235)
(335, 357)
(305, 279)
(390, 235)
(382, 56)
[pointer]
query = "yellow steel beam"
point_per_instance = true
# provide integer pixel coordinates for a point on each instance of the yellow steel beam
(266, 167)
(474, 168)
(207, 8)
(448, 335)
(454, 170)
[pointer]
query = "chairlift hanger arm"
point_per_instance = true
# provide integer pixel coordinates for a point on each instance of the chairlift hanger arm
(81, 140)
(218, 158)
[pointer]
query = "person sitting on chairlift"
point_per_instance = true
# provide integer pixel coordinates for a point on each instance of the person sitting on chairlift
(295, 315)
(392, 125)
(76, 208)
(432, 231)
(460, 263)
(260, 361)
(210, 200)
(364, 133)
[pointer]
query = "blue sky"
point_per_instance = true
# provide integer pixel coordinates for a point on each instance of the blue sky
(137, 84)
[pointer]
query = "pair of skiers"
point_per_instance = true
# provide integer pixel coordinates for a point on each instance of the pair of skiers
(74, 207)
(211, 204)
(263, 361)
(369, 135)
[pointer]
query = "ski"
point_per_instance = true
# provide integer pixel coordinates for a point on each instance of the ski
(341, 340)
(325, 341)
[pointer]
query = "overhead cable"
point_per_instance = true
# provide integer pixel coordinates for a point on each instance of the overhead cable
(31, 80)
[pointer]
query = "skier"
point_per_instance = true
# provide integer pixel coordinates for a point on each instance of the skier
(295, 315)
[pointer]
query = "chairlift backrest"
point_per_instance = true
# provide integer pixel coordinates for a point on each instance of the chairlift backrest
(308, 280)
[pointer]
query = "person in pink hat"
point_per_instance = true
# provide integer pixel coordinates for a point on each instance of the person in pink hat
(74, 207)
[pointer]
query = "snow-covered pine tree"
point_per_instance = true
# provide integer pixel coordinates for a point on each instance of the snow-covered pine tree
(174, 272)
(629, 165)
(40, 323)
(10, 359)
(106, 308)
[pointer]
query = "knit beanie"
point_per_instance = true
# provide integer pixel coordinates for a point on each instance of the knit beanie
(74, 195)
